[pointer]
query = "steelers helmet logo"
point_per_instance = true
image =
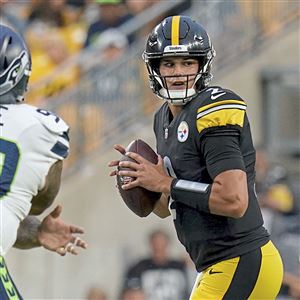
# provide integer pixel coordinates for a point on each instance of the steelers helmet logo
(182, 132)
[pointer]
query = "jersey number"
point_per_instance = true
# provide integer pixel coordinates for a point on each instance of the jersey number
(9, 159)
(48, 113)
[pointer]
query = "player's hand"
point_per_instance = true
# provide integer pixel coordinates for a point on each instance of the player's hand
(56, 235)
(150, 176)
(115, 163)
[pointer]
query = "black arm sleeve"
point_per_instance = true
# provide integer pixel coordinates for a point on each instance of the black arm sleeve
(192, 194)
(222, 151)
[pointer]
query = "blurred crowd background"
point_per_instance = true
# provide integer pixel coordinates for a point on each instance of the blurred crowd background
(87, 68)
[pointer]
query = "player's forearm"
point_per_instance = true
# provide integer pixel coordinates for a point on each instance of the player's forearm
(192, 194)
(161, 206)
(27, 236)
(164, 185)
(228, 203)
(226, 196)
(46, 196)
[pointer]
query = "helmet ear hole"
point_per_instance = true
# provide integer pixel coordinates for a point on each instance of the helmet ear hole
(154, 63)
(202, 61)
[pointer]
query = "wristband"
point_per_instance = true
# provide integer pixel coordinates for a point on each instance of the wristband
(191, 193)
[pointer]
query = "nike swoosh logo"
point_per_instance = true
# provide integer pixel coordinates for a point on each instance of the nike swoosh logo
(215, 96)
(210, 272)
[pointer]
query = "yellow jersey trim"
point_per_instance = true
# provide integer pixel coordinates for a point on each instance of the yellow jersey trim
(230, 112)
(201, 109)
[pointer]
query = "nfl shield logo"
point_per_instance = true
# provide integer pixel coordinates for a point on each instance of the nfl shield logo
(182, 132)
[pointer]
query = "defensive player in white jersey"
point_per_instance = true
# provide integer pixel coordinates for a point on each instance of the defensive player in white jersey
(33, 145)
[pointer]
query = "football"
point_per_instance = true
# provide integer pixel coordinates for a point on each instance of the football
(141, 201)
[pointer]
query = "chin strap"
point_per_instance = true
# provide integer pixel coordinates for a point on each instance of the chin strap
(177, 93)
(178, 97)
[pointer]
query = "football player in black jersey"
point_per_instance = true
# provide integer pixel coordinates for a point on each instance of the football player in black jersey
(205, 169)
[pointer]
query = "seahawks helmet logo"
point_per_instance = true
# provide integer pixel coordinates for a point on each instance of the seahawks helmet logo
(14, 72)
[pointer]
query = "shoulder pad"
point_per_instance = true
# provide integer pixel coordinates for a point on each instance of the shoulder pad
(220, 107)
(58, 128)
(51, 122)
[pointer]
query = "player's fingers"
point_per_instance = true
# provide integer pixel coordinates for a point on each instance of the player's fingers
(82, 245)
(113, 163)
(113, 173)
(120, 148)
(78, 242)
(160, 160)
(138, 158)
(61, 251)
(74, 251)
(75, 240)
(128, 173)
(130, 185)
(76, 229)
(70, 248)
(57, 211)
(129, 164)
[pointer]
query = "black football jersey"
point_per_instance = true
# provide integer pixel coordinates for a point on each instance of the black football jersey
(164, 281)
(210, 135)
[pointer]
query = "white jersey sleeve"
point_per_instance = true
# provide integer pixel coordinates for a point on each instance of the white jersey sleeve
(31, 140)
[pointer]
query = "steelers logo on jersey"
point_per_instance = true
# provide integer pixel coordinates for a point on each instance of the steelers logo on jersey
(182, 132)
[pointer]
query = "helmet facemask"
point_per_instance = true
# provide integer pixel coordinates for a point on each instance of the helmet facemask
(201, 79)
(179, 36)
